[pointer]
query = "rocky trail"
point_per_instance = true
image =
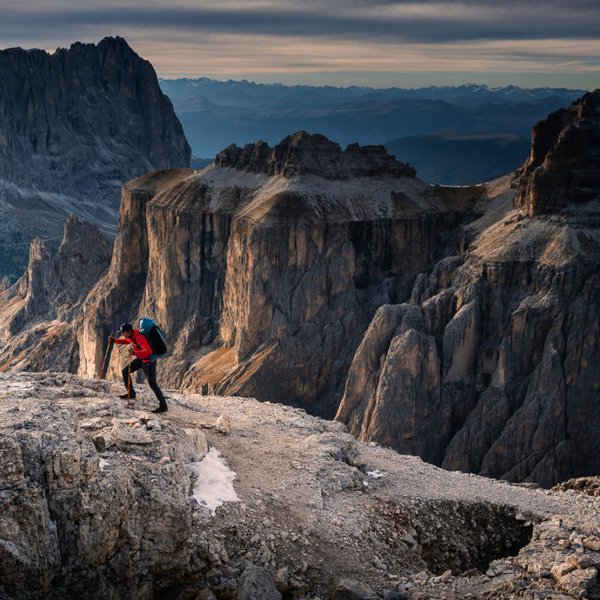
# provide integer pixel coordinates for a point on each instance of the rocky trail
(97, 496)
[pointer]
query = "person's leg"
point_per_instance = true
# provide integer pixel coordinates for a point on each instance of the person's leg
(150, 371)
(133, 366)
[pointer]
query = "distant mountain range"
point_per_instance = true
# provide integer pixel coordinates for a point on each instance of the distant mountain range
(456, 135)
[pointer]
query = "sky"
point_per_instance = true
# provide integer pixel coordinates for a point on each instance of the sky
(381, 43)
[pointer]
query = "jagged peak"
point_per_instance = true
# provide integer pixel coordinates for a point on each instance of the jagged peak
(37, 250)
(82, 239)
(117, 43)
(303, 153)
(564, 162)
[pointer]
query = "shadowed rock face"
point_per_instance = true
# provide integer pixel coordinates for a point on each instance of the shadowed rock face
(76, 125)
(563, 170)
(41, 311)
(491, 367)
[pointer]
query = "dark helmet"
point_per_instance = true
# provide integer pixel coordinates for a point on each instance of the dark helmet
(125, 327)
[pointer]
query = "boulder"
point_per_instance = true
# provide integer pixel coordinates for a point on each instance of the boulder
(256, 583)
(348, 589)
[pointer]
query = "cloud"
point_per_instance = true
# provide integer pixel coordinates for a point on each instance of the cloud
(382, 21)
(254, 38)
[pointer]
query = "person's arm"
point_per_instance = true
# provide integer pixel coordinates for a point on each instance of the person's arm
(122, 341)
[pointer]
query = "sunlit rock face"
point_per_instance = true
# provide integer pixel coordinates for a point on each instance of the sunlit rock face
(490, 367)
(76, 125)
(265, 274)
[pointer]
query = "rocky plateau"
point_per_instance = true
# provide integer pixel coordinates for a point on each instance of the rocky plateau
(99, 499)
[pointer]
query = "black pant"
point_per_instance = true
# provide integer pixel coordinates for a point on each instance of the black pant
(150, 372)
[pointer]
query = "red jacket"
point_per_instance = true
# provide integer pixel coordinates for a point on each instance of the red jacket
(141, 346)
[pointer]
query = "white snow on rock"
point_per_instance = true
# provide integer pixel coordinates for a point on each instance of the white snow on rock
(376, 474)
(214, 481)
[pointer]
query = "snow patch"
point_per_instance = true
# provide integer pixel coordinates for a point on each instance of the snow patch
(376, 474)
(214, 481)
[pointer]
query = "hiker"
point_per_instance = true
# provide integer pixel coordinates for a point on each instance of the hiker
(143, 360)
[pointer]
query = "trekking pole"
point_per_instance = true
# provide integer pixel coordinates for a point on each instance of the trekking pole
(102, 369)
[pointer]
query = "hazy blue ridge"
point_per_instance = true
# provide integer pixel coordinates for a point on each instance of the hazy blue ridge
(215, 114)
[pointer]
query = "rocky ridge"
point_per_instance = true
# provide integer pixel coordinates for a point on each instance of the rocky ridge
(97, 499)
(76, 125)
(305, 154)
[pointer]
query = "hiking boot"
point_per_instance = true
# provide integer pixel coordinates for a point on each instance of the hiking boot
(160, 409)
(127, 397)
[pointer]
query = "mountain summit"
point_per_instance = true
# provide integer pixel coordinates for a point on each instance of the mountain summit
(76, 124)
(304, 154)
(563, 170)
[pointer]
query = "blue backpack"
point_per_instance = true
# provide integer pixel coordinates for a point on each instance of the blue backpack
(155, 336)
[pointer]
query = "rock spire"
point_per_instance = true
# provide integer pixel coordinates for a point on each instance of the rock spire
(306, 154)
(563, 169)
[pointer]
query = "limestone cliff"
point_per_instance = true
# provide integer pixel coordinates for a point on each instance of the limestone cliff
(76, 125)
(263, 274)
(491, 366)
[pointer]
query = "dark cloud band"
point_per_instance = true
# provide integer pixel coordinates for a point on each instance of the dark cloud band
(380, 21)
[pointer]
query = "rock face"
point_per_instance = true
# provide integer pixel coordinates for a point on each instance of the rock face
(41, 311)
(443, 322)
(75, 126)
(100, 501)
(490, 367)
(56, 490)
(264, 275)
(563, 170)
